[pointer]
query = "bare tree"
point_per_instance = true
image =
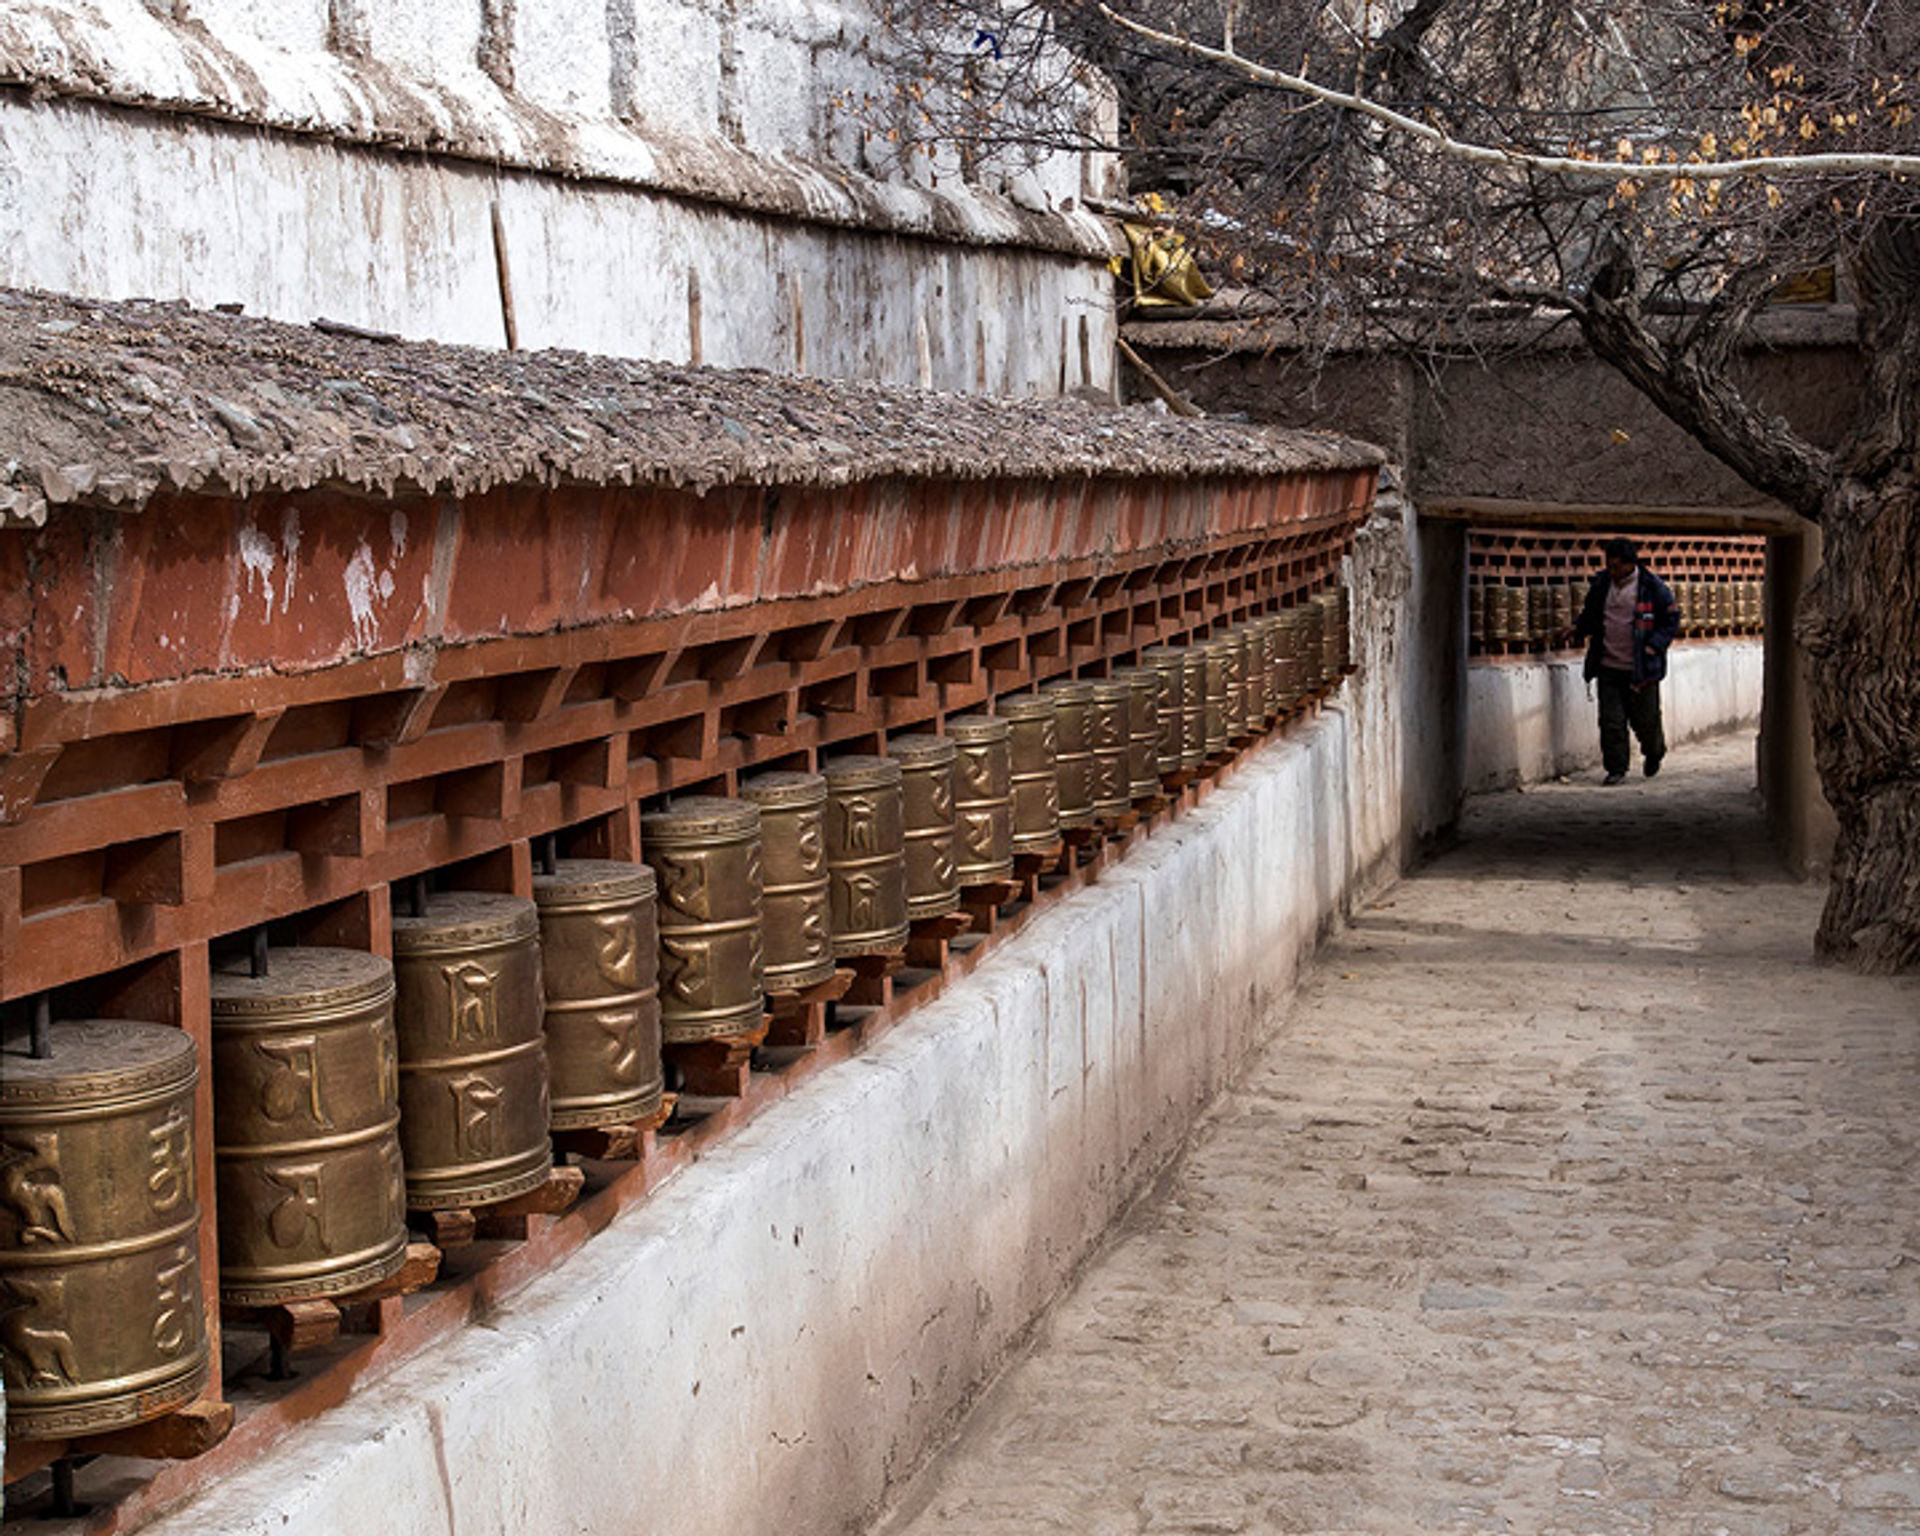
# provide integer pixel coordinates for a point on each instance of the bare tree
(1649, 170)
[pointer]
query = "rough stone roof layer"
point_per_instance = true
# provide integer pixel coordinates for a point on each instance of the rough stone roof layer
(113, 403)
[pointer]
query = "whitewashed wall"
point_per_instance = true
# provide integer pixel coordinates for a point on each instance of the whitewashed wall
(345, 159)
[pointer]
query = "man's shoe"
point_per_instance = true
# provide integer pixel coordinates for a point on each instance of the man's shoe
(1652, 765)
(1614, 778)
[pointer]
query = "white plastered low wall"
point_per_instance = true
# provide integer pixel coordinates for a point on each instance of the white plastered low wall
(1531, 720)
(775, 1339)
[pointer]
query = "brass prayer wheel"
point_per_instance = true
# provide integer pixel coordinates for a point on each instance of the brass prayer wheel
(866, 856)
(468, 1011)
(1143, 729)
(1314, 639)
(926, 797)
(1073, 763)
(1290, 663)
(982, 797)
(1170, 663)
(1260, 684)
(705, 853)
(1234, 646)
(1109, 725)
(101, 1319)
(1033, 723)
(796, 926)
(1333, 636)
(600, 968)
(306, 1126)
(1216, 686)
(1477, 612)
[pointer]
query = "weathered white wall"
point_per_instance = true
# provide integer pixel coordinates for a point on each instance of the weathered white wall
(1530, 720)
(774, 1340)
(236, 151)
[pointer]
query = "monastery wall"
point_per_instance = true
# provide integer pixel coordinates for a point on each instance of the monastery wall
(686, 181)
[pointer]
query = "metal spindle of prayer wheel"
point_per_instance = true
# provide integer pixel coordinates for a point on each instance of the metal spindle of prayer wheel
(101, 1319)
(468, 1011)
(926, 797)
(796, 921)
(866, 856)
(706, 858)
(600, 960)
(1108, 725)
(982, 798)
(1217, 660)
(306, 1126)
(1144, 685)
(1073, 705)
(1169, 662)
(1033, 722)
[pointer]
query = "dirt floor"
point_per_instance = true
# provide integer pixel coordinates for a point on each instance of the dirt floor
(1569, 1197)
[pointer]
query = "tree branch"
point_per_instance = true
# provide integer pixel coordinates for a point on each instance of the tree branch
(1698, 398)
(1773, 167)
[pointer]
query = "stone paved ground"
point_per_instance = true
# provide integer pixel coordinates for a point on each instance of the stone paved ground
(1570, 1198)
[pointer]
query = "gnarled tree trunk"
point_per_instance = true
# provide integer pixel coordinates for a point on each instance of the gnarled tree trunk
(1860, 623)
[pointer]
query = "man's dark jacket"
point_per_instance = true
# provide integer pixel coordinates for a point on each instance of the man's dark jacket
(1656, 620)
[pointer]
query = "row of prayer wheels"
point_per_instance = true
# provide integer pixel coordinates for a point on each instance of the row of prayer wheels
(350, 1089)
(1720, 605)
(1536, 612)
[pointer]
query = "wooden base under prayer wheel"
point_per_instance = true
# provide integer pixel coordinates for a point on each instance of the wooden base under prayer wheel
(616, 1143)
(798, 1019)
(930, 947)
(305, 1327)
(718, 1067)
(505, 1220)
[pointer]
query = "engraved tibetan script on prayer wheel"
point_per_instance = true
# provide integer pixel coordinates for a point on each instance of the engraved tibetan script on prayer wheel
(473, 1060)
(926, 793)
(796, 926)
(1073, 755)
(1108, 725)
(1170, 662)
(1216, 691)
(705, 852)
(306, 1126)
(1033, 721)
(1144, 729)
(982, 797)
(599, 966)
(866, 856)
(101, 1320)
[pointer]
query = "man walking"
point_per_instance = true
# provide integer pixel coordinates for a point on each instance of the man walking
(1628, 622)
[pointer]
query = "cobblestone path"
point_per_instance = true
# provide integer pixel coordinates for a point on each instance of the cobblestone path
(1569, 1198)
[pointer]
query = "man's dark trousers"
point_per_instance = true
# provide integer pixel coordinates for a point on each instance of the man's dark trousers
(1622, 707)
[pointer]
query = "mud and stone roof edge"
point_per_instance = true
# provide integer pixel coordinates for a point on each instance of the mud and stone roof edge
(114, 403)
